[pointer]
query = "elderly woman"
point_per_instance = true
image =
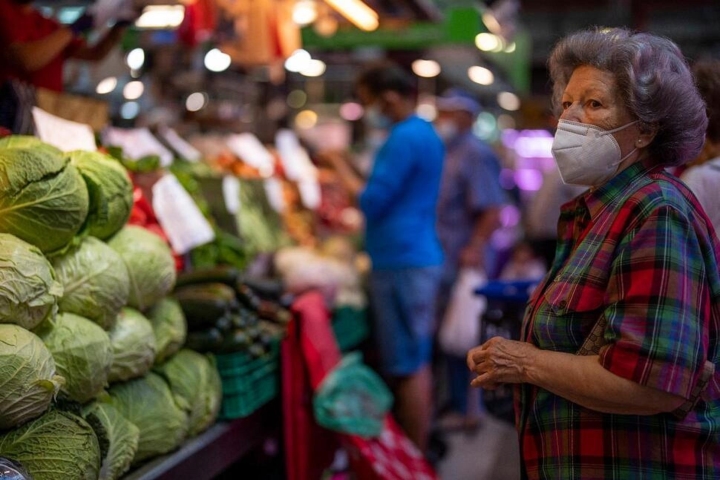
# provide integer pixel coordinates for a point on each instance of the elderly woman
(615, 371)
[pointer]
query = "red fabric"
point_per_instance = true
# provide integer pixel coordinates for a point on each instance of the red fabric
(389, 457)
(19, 24)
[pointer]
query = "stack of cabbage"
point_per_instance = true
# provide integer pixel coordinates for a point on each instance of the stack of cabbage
(84, 318)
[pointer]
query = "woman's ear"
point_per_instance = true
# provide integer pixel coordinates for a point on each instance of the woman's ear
(647, 135)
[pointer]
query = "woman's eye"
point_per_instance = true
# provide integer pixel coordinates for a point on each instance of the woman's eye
(565, 105)
(594, 104)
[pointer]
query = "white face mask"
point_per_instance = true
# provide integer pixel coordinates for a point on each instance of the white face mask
(586, 154)
(446, 130)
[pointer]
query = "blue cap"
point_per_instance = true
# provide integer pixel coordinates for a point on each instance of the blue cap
(456, 99)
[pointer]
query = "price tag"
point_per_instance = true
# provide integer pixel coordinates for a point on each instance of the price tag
(177, 143)
(298, 167)
(251, 151)
(179, 216)
(274, 192)
(63, 134)
(231, 193)
(137, 143)
(310, 193)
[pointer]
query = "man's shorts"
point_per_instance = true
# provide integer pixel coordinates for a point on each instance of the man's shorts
(403, 303)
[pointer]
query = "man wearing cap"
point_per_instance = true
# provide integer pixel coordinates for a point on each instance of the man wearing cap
(468, 214)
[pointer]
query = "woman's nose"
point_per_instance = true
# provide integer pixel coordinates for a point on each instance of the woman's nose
(571, 113)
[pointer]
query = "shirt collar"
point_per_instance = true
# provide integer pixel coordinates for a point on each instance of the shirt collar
(597, 199)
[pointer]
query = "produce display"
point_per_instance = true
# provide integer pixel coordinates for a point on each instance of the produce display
(169, 326)
(133, 344)
(121, 435)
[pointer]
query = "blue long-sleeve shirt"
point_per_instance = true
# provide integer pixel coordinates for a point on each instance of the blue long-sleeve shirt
(399, 201)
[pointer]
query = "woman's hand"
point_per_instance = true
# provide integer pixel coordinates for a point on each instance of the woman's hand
(500, 360)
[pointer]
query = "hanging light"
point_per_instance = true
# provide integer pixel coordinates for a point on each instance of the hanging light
(508, 101)
(357, 12)
(217, 61)
(106, 85)
(304, 12)
(161, 16)
(426, 68)
(133, 90)
(135, 58)
(481, 75)
(313, 68)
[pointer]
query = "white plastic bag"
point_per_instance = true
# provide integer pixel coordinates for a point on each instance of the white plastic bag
(460, 328)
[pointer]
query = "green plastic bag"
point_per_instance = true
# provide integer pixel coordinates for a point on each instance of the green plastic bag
(352, 399)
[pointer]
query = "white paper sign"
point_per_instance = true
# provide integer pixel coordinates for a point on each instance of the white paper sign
(298, 167)
(137, 143)
(251, 151)
(179, 216)
(310, 193)
(231, 193)
(63, 134)
(181, 147)
(274, 192)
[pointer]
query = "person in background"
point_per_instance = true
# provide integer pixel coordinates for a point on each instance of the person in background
(35, 47)
(703, 177)
(523, 264)
(398, 202)
(616, 371)
(468, 214)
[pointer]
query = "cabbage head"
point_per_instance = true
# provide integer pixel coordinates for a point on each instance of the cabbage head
(95, 281)
(43, 198)
(82, 353)
(133, 344)
(29, 289)
(149, 404)
(195, 382)
(149, 262)
(28, 141)
(122, 437)
(28, 381)
(110, 190)
(56, 446)
(170, 327)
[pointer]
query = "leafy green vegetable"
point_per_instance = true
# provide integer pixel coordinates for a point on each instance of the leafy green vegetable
(168, 323)
(110, 191)
(28, 381)
(123, 437)
(95, 281)
(28, 141)
(82, 353)
(149, 404)
(133, 343)
(149, 262)
(43, 198)
(56, 446)
(195, 382)
(29, 290)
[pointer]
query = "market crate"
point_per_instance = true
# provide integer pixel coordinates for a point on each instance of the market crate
(248, 383)
(350, 325)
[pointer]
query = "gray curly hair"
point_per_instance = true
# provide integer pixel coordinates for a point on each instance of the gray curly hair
(654, 82)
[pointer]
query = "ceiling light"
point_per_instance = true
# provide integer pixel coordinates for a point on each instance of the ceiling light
(304, 12)
(129, 110)
(481, 75)
(426, 68)
(217, 61)
(195, 101)
(357, 12)
(106, 85)
(133, 90)
(135, 58)
(508, 101)
(297, 60)
(306, 119)
(161, 16)
(313, 68)
(487, 42)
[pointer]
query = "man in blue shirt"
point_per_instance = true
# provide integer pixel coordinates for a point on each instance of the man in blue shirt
(399, 203)
(468, 214)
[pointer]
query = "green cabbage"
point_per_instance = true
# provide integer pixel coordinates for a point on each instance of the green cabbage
(170, 327)
(56, 446)
(43, 198)
(29, 291)
(133, 343)
(82, 353)
(27, 141)
(149, 404)
(195, 382)
(150, 264)
(95, 282)
(27, 376)
(110, 189)
(122, 436)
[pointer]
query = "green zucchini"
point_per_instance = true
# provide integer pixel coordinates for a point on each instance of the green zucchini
(221, 274)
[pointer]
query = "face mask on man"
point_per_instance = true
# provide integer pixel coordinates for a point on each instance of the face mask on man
(375, 118)
(586, 154)
(447, 130)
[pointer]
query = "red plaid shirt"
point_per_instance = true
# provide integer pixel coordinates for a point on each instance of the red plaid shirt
(639, 251)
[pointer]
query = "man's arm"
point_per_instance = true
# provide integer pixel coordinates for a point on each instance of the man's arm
(100, 49)
(32, 56)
